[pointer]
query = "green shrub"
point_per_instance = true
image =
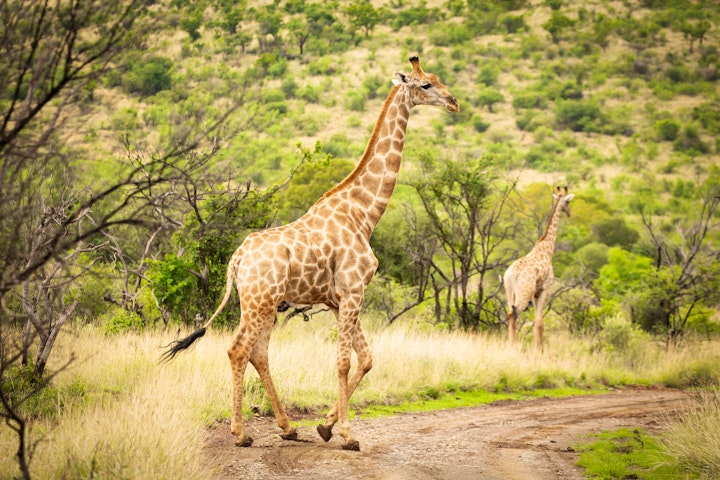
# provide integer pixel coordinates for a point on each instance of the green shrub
(445, 35)
(513, 23)
(615, 232)
(356, 100)
(690, 142)
(309, 93)
(667, 129)
(325, 66)
(579, 116)
(125, 120)
(478, 123)
(708, 114)
(415, 15)
(148, 76)
(124, 321)
(529, 99)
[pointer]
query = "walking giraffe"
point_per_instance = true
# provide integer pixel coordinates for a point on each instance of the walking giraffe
(324, 257)
(529, 278)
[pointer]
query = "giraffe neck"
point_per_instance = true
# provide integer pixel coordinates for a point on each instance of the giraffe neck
(547, 241)
(365, 193)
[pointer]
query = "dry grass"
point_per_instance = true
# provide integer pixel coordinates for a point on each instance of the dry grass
(694, 441)
(122, 414)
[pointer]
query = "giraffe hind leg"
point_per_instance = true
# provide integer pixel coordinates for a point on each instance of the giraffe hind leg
(512, 324)
(259, 360)
(243, 347)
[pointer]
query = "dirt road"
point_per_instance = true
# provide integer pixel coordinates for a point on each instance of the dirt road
(513, 440)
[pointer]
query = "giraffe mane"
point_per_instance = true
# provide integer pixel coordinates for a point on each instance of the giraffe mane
(370, 146)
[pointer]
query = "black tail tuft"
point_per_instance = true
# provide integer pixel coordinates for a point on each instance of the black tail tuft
(180, 345)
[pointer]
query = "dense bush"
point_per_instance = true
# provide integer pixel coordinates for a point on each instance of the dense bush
(579, 116)
(667, 129)
(148, 76)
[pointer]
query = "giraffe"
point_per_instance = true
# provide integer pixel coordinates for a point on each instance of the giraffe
(324, 257)
(529, 278)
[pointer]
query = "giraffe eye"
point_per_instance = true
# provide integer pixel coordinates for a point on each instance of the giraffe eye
(426, 86)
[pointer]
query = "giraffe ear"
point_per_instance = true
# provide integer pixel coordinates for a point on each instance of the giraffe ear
(399, 78)
(569, 197)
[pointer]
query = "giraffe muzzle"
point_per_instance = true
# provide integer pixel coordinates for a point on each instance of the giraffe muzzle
(452, 105)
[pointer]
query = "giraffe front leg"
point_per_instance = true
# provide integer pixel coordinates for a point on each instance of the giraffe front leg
(362, 350)
(343, 397)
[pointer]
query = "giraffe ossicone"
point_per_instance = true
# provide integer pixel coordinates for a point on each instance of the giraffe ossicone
(529, 279)
(324, 257)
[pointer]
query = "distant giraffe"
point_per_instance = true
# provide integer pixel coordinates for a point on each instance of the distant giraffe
(324, 257)
(529, 278)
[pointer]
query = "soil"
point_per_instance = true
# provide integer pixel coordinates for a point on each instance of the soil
(508, 440)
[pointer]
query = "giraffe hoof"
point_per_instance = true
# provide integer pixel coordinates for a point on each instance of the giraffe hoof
(290, 436)
(325, 432)
(245, 442)
(353, 445)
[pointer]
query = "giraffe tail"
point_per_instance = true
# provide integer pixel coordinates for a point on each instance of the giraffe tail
(179, 345)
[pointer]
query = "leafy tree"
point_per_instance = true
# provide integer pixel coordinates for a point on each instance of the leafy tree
(190, 24)
(489, 97)
(557, 24)
(686, 275)
(48, 52)
(464, 211)
(52, 217)
(695, 30)
(614, 231)
(300, 29)
(270, 21)
(363, 15)
(623, 274)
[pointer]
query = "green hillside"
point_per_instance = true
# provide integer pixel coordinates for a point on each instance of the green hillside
(617, 88)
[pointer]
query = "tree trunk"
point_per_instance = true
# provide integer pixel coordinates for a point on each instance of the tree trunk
(47, 345)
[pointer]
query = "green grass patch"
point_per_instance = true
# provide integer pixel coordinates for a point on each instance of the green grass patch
(474, 398)
(627, 453)
(433, 401)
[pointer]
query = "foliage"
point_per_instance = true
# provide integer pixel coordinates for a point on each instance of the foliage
(580, 116)
(148, 76)
(463, 208)
(667, 129)
(615, 232)
(123, 321)
(363, 15)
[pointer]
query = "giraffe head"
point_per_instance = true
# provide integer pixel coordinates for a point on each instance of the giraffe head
(563, 199)
(425, 88)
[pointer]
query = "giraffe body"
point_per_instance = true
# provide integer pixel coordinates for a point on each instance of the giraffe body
(324, 257)
(529, 278)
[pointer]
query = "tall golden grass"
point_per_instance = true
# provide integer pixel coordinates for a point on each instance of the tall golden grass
(119, 413)
(694, 440)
